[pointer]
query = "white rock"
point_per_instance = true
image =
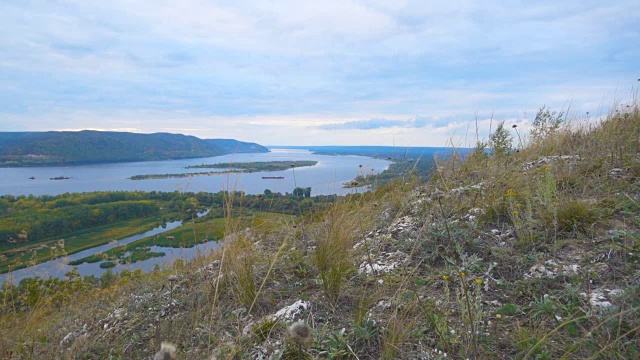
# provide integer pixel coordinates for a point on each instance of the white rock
(288, 313)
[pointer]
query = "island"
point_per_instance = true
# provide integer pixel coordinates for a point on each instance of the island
(233, 168)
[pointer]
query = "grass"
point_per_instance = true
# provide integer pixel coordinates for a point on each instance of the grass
(491, 258)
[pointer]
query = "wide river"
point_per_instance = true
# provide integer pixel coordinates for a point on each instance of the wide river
(327, 177)
(324, 178)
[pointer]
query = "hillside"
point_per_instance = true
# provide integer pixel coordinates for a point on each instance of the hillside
(503, 254)
(84, 147)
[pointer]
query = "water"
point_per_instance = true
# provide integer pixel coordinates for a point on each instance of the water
(324, 178)
(58, 267)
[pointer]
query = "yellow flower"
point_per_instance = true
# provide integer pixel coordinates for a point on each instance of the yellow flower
(445, 277)
(479, 281)
(518, 204)
(515, 212)
(510, 192)
(547, 169)
(463, 274)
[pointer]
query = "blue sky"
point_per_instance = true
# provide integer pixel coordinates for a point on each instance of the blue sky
(344, 72)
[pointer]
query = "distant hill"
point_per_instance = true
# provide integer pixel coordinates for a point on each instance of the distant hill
(396, 153)
(85, 147)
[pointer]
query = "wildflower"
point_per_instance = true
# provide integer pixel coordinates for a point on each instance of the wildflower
(547, 169)
(445, 277)
(518, 204)
(463, 274)
(498, 316)
(515, 212)
(510, 193)
(479, 281)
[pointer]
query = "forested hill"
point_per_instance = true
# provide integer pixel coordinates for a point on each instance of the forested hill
(84, 147)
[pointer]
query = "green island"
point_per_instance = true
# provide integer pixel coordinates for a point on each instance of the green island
(233, 168)
(257, 166)
(182, 175)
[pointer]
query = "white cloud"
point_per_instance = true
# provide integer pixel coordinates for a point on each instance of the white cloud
(284, 66)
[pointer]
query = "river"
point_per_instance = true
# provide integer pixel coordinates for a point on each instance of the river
(324, 178)
(58, 267)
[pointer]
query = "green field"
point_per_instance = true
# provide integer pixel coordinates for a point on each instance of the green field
(81, 240)
(185, 236)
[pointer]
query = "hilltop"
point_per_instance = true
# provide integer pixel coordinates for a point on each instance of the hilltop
(86, 147)
(528, 253)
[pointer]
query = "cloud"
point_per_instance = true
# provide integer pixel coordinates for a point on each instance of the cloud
(381, 123)
(400, 68)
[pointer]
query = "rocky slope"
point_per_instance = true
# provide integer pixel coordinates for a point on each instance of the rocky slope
(528, 254)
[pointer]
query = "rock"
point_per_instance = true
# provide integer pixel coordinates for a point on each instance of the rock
(383, 263)
(551, 159)
(618, 173)
(601, 298)
(539, 271)
(68, 339)
(289, 313)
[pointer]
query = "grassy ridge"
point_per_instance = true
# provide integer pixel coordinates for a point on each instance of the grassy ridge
(528, 254)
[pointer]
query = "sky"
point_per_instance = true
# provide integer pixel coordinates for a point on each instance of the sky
(331, 72)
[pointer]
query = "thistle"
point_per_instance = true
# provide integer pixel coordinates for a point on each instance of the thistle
(167, 352)
(301, 334)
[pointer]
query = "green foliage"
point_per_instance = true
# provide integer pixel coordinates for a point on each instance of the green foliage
(575, 216)
(508, 309)
(107, 264)
(500, 141)
(546, 123)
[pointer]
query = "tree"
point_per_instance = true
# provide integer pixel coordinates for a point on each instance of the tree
(298, 192)
(307, 192)
(546, 123)
(500, 141)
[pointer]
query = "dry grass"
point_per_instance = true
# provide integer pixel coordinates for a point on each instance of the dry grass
(462, 284)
